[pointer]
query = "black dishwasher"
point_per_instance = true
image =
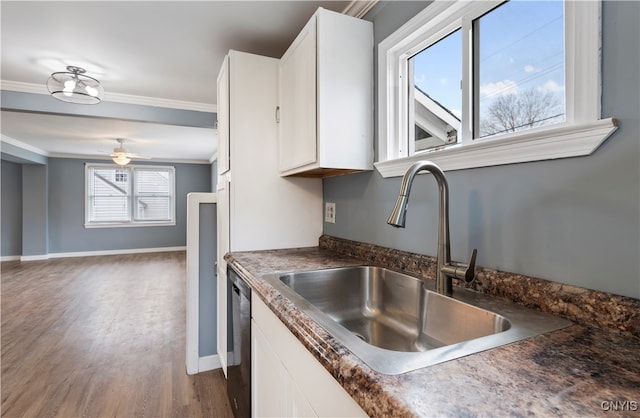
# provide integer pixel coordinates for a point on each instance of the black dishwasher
(238, 344)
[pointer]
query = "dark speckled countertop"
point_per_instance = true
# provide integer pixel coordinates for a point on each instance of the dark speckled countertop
(579, 371)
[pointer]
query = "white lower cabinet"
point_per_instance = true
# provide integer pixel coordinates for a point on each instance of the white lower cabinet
(298, 404)
(268, 378)
(286, 380)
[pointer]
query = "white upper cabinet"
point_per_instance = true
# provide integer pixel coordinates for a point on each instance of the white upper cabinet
(297, 112)
(325, 109)
(265, 211)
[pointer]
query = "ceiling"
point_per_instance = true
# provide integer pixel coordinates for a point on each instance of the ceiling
(164, 53)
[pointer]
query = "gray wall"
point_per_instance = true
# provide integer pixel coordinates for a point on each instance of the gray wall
(208, 275)
(208, 286)
(574, 221)
(66, 212)
(35, 218)
(11, 209)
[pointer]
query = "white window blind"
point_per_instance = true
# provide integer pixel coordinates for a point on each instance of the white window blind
(153, 199)
(129, 196)
(108, 197)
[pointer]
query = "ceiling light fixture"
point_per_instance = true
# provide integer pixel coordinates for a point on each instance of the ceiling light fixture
(121, 159)
(74, 87)
(120, 155)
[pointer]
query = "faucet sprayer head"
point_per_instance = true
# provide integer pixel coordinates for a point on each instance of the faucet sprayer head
(399, 212)
(398, 215)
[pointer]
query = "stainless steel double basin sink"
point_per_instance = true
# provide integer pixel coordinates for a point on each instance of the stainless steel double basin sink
(396, 323)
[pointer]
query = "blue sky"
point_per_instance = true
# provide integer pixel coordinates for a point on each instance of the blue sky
(521, 47)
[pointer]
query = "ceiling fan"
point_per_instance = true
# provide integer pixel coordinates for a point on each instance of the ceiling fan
(121, 157)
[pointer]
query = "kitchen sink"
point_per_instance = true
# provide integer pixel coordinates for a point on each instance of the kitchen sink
(391, 310)
(397, 323)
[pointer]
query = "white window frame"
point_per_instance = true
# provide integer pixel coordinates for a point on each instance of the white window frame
(132, 197)
(581, 133)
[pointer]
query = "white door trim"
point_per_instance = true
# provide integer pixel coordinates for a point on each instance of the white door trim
(193, 277)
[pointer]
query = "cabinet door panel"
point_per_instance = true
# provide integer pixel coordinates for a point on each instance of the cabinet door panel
(345, 92)
(312, 390)
(298, 405)
(223, 247)
(298, 101)
(268, 378)
(223, 118)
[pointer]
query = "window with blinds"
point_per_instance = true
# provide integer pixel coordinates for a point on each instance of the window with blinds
(129, 196)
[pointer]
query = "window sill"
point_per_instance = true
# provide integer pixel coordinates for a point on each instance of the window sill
(532, 145)
(129, 225)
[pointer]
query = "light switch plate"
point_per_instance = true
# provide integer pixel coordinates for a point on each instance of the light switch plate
(330, 212)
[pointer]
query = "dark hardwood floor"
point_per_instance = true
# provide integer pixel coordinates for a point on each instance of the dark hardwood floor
(100, 336)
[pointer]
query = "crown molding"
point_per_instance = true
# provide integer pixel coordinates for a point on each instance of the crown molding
(24, 146)
(158, 102)
(23, 87)
(117, 97)
(108, 158)
(359, 8)
(31, 148)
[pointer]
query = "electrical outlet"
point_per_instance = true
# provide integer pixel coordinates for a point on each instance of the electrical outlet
(330, 212)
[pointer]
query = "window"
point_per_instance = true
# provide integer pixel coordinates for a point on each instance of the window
(473, 84)
(129, 196)
(519, 54)
(435, 94)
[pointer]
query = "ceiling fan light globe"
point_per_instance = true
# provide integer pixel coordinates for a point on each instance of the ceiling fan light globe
(121, 159)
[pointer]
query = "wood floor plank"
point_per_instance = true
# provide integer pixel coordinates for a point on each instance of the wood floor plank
(100, 336)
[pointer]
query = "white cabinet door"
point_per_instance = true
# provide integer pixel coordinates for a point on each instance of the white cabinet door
(267, 211)
(298, 405)
(273, 392)
(222, 320)
(309, 389)
(223, 247)
(268, 378)
(223, 118)
(297, 110)
(326, 98)
(345, 91)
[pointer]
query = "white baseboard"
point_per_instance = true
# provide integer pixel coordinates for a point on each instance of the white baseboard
(116, 252)
(91, 253)
(9, 258)
(209, 363)
(34, 257)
